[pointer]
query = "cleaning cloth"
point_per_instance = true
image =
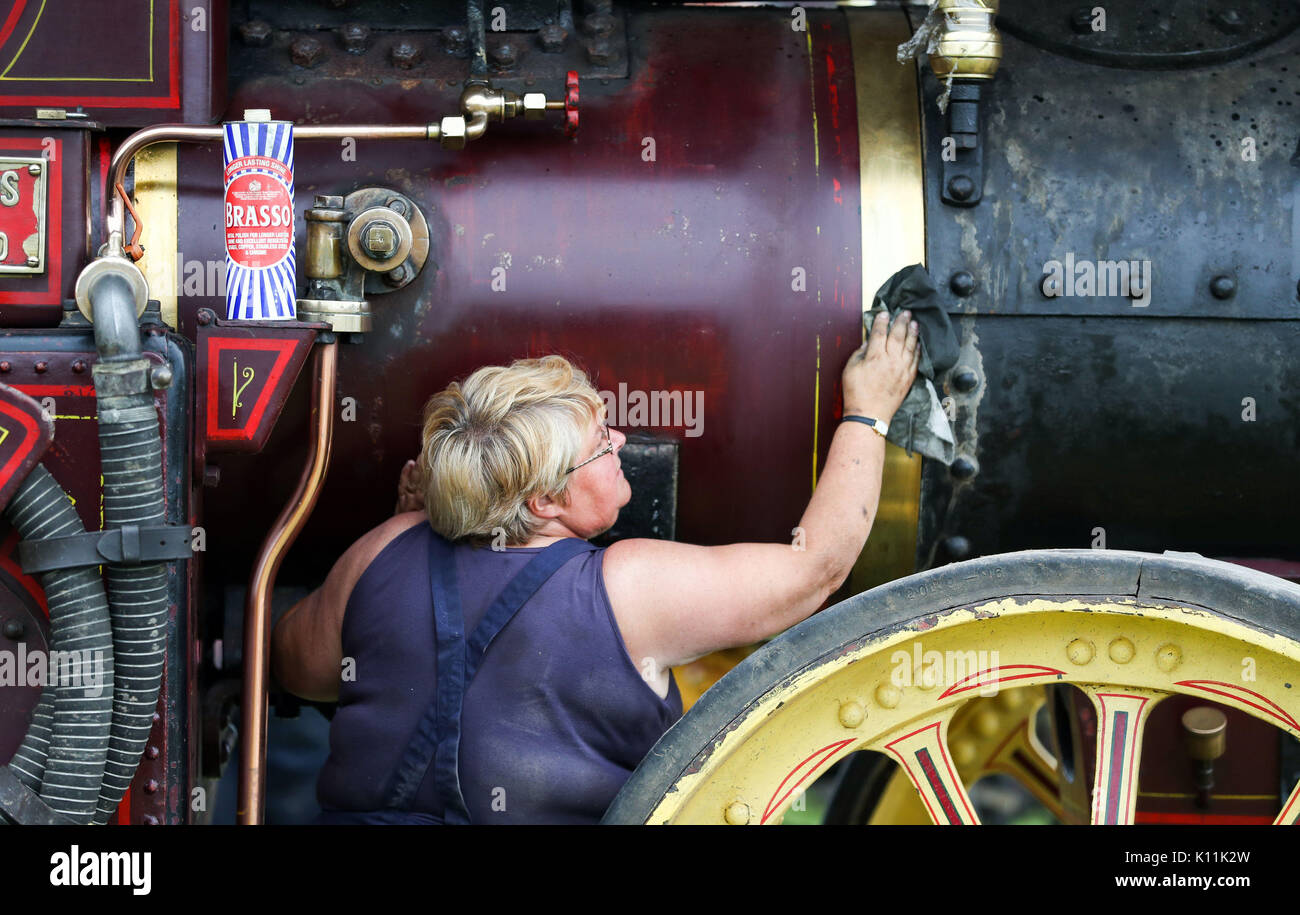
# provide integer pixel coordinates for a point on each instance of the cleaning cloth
(920, 423)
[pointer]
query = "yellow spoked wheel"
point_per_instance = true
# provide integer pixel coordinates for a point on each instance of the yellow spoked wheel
(896, 668)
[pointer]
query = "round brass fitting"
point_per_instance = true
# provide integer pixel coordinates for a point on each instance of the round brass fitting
(969, 44)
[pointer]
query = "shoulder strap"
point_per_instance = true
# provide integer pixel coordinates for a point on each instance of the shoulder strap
(436, 740)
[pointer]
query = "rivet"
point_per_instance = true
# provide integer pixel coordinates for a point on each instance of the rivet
(737, 813)
(964, 467)
(1012, 698)
(151, 786)
(42, 367)
(928, 677)
(957, 547)
(1081, 20)
(6, 366)
(156, 718)
(1080, 651)
(151, 752)
(1168, 656)
(964, 379)
(1223, 287)
(205, 316)
(962, 283)
(986, 722)
(961, 187)
(963, 752)
(888, 695)
(149, 820)
(79, 367)
(14, 630)
(852, 714)
(1121, 651)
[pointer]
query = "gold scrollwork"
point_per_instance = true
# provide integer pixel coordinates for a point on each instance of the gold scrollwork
(235, 402)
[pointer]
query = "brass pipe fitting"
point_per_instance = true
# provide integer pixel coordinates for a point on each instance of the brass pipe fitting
(969, 44)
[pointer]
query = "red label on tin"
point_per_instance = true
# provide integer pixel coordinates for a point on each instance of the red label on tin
(259, 212)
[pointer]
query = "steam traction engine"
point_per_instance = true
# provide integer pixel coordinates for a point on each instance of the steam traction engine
(241, 244)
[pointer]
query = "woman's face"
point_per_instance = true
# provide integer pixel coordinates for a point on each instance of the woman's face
(597, 489)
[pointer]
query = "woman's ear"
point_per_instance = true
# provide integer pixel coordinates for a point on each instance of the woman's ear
(544, 506)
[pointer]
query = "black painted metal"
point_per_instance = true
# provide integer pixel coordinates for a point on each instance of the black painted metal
(1089, 163)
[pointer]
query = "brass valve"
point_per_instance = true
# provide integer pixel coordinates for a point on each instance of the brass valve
(480, 103)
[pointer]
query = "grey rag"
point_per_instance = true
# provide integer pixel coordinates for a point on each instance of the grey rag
(920, 423)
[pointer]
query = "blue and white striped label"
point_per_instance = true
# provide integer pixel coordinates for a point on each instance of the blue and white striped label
(260, 272)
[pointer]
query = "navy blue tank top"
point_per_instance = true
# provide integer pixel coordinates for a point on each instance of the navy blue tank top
(554, 721)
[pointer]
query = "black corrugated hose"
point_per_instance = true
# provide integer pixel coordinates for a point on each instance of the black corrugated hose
(64, 753)
(131, 460)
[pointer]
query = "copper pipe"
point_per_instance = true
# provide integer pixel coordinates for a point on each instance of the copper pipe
(257, 613)
(188, 133)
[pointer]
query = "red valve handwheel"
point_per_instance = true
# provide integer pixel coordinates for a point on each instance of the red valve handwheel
(571, 104)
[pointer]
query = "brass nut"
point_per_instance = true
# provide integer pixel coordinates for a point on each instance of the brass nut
(534, 105)
(453, 133)
(381, 240)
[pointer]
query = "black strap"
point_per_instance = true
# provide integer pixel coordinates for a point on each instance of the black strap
(436, 739)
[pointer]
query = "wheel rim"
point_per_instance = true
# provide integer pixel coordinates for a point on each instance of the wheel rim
(1128, 629)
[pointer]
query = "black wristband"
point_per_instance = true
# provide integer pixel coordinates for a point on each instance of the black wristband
(875, 424)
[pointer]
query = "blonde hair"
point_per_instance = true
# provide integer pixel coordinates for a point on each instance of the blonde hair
(500, 437)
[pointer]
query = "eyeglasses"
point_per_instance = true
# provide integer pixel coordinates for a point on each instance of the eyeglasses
(609, 447)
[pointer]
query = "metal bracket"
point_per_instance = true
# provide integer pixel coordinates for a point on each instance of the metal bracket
(963, 174)
(22, 806)
(129, 544)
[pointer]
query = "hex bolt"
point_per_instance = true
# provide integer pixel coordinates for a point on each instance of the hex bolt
(256, 33)
(598, 25)
(503, 55)
(306, 51)
(964, 379)
(962, 283)
(961, 187)
(15, 630)
(455, 41)
(406, 54)
(1223, 287)
(354, 37)
(552, 38)
(600, 53)
(964, 467)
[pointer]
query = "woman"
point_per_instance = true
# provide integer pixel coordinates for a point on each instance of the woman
(505, 670)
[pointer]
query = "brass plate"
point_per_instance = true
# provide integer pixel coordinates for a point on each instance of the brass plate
(22, 215)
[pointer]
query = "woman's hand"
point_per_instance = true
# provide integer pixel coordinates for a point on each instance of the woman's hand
(881, 371)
